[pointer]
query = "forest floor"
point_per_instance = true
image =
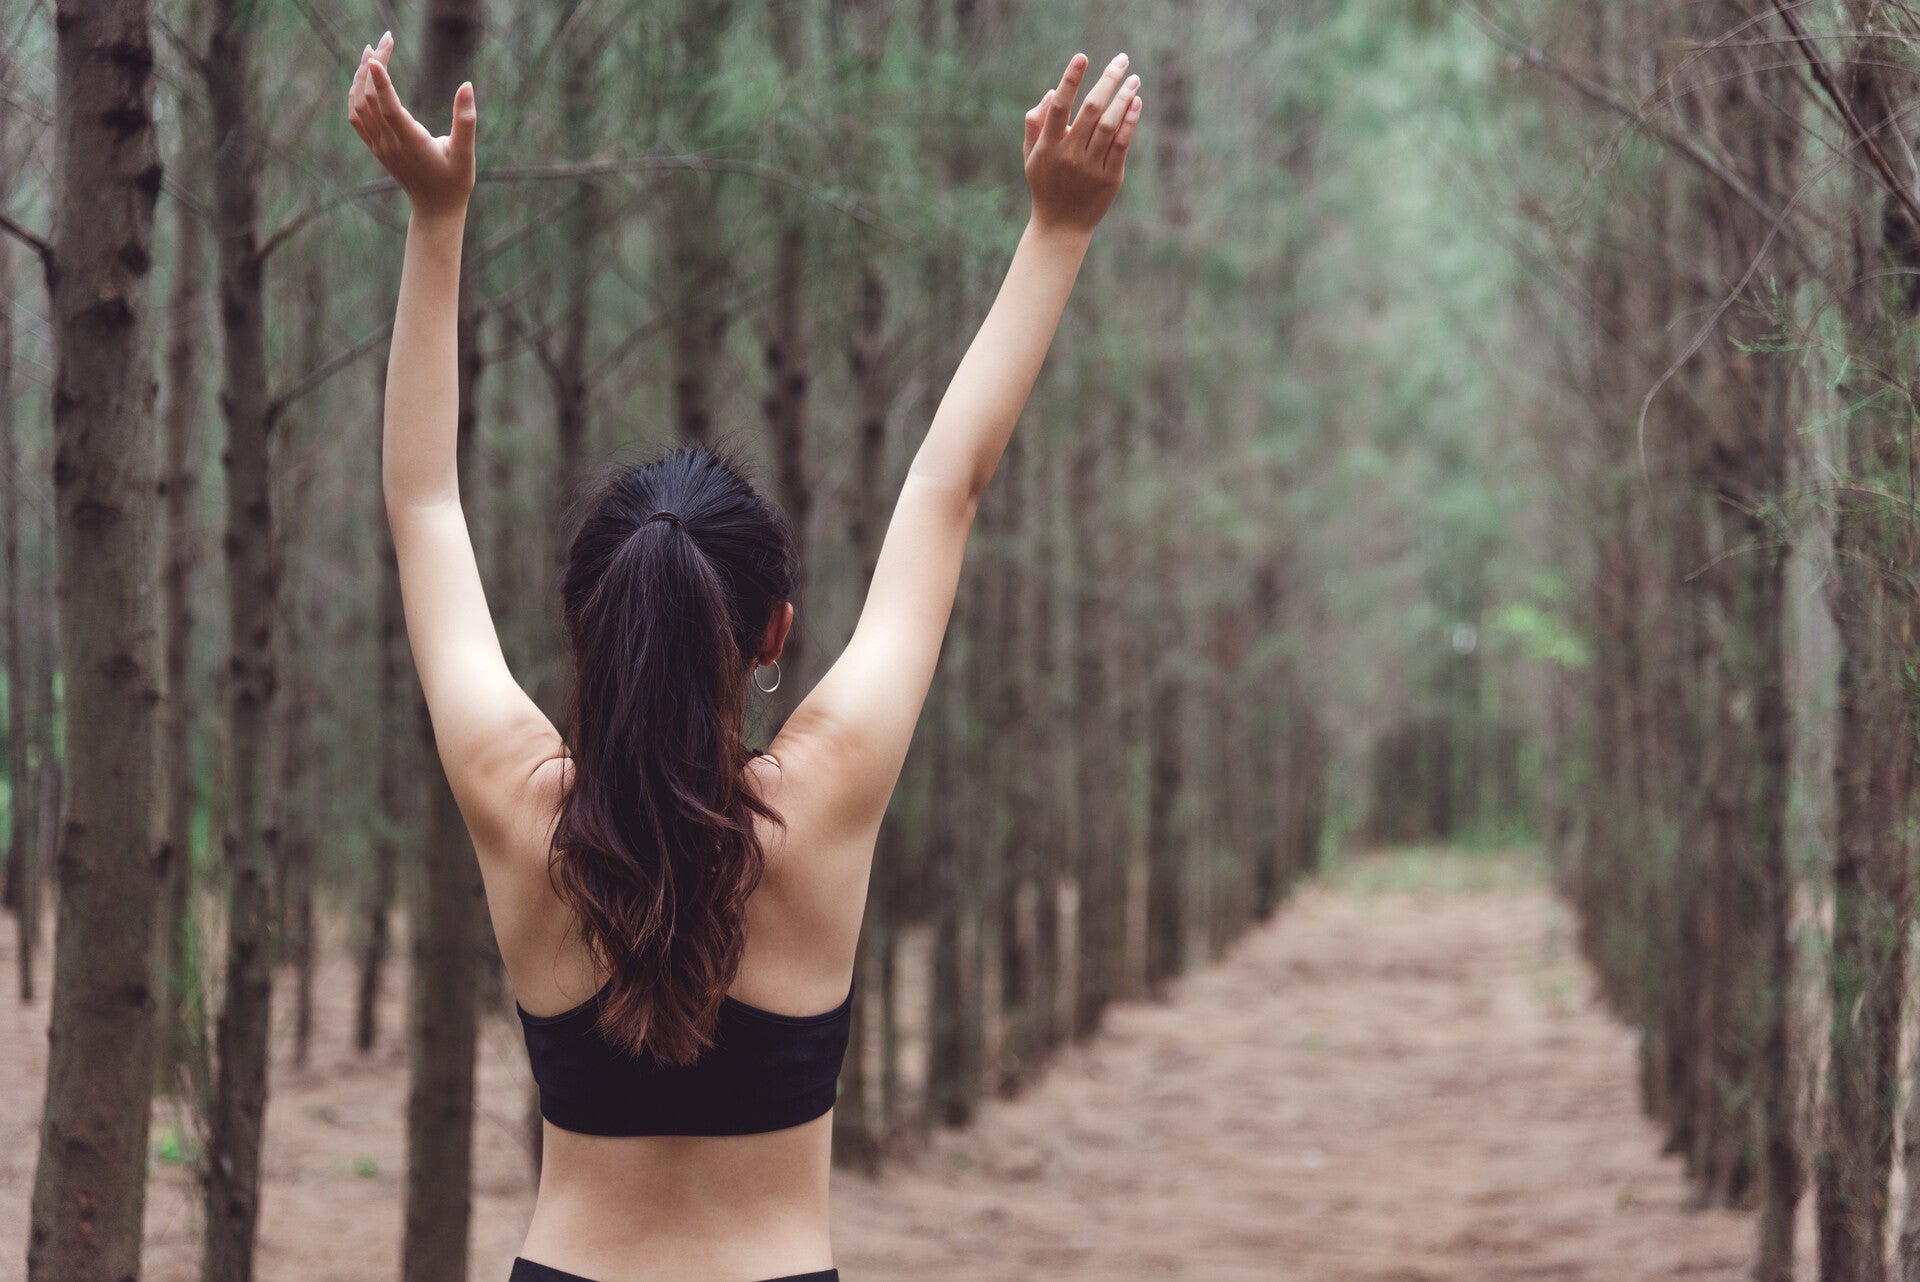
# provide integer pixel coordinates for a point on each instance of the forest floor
(1401, 1078)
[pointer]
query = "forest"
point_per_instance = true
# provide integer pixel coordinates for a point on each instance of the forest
(1480, 426)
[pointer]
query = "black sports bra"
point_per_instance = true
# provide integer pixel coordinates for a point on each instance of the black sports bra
(764, 1072)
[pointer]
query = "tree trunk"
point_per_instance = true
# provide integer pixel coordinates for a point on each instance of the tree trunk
(584, 246)
(786, 347)
(1168, 848)
(696, 267)
(390, 787)
(1872, 782)
(236, 1125)
(1099, 859)
(448, 912)
(299, 765)
(1739, 436)
(90, 1182)
(182, 1036)
(1874, 766)
(857, 1130)
(22, 892)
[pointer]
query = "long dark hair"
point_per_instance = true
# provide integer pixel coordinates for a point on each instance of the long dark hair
(670, 583)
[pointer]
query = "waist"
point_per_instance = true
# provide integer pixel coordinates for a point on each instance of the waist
(658, 1207)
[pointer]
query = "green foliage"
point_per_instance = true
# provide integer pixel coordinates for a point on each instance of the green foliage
(1542, 635)
(171, 1148)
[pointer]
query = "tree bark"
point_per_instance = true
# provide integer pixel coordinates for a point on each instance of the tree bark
(181, 1038)
(300, 764)
(22, 891)
(787, 351)
(1168, 849)
(90, 1182)
(383, 887)
(237, 1121)
(390, 790)
(858, 1137)
(448, 912)
(1100, 863)
(1874, 763)
(696, 266)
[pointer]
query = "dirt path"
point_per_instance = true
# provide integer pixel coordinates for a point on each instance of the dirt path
(1399, 1079)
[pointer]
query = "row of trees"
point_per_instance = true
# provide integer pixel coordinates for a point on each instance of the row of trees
(1731, 298)
(1206, 579)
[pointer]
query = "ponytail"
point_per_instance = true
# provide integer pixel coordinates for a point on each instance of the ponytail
(669, 587)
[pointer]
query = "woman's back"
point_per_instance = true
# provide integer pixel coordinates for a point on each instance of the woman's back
(679, 918)
(745, 1206)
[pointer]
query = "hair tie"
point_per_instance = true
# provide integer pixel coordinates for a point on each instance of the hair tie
(664, 515)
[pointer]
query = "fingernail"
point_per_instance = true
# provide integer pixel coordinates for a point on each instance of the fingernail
(385, 36)
(1119, 59)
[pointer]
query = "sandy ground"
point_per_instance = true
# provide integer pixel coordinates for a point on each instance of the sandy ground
(1400, 1079)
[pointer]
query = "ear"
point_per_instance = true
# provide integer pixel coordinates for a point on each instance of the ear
(775, 639)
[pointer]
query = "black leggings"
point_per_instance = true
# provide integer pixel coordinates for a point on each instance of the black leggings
(525, 1270)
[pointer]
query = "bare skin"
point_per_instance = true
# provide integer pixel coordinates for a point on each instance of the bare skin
(724, 1208)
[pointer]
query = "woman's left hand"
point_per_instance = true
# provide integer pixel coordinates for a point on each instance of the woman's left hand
(436, 173)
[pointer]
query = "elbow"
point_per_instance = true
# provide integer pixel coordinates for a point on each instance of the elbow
(956, 494)
(393, 481)
(401, 491)
(977, 487)
(393, 494)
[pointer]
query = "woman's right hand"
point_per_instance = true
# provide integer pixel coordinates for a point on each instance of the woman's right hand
(1075, 170)
(436, 173)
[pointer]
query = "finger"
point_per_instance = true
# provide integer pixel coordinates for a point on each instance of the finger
(372, 124)
(1109, 127)
(357, 93)
(1098, 98)
(381, 135)
(386, 98)
(384, 50)
(1123, 137)
(358, 88)
(465, 117)
(367, 122)
(1036, 118)
(1055, 127)
(396, 121)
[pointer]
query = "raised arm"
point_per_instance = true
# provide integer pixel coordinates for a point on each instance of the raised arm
(851, 733)
(491, 736)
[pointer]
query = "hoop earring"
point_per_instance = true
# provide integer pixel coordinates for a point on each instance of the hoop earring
(776, 679)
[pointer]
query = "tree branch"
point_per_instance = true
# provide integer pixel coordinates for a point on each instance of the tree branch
(326, 369)
(1818, 66)
(334, 364)
(1598, 94)
(588, 169)
(37, 244)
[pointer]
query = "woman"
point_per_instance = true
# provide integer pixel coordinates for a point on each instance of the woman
(678, 915)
